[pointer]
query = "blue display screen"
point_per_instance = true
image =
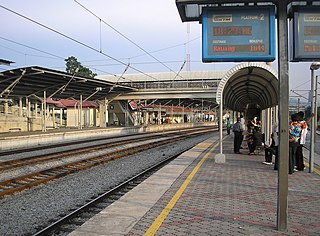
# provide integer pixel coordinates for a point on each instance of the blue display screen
(238, 34)
(306, 36)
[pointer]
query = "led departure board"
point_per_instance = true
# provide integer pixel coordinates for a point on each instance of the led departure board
(305, 34)
(238, 34)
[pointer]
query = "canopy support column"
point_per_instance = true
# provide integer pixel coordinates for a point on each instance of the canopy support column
(44, 112)
(282, 206)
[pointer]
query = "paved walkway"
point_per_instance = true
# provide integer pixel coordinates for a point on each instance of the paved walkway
(196, 196)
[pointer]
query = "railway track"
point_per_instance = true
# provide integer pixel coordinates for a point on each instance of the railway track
(68, 223)
(20, 183)
(15, 163)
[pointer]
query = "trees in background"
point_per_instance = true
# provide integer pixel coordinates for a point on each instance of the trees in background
(73, 66)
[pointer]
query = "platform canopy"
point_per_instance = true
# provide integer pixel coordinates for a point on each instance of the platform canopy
(248, 85)
(34, 81)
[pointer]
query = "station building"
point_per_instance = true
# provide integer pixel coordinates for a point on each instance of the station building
(36, 98)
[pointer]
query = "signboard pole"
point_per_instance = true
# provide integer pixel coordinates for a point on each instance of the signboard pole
(283, 74)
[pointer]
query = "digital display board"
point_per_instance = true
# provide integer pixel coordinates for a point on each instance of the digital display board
(232, 34)
(305, 39)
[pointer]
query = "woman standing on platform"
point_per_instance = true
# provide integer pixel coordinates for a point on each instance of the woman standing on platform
(304, 131)
(294, 137)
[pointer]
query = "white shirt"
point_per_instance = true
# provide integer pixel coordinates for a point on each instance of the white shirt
(303, 134)
(275, 131)
(242, 123)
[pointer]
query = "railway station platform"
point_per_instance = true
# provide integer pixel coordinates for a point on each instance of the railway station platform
(194, 195)
(20, 140)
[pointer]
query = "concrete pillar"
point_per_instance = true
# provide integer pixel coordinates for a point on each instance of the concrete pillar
(172, 114)
(29, 118)
(6, 107)
(107, 113)
(80, 114)
(53, 118)
(183, 114)
(44, 112)
(146, 117)
(28, 104)
(104, 115)
(159, 114)
(36, 109)
(20, 107)
(61, 115)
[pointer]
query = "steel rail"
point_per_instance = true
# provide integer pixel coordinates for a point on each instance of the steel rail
(68, 218)
(14, 185)
(10, 164)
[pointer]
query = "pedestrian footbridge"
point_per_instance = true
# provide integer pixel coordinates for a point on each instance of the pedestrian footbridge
(245, 85)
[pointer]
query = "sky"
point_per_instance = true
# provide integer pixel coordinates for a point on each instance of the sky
(106, 35)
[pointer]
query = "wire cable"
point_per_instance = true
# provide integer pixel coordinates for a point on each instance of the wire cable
(163, 49)
(301, 85)
(158, 50)
(76, 41)
(48, 53)
(131, 41)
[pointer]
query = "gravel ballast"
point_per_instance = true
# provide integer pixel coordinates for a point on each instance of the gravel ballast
(27, 211)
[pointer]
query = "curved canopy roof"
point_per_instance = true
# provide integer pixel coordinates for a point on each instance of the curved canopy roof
(249, 84)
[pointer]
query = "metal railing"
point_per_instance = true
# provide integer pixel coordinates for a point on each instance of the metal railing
(172, 84)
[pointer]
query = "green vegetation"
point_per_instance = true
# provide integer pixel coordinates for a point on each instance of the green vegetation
(75, 67)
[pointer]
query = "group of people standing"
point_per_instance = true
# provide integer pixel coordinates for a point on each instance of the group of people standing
(298, 130)
(252, 131)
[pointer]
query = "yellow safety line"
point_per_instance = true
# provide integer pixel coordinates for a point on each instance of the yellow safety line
(314, 169)
(165, 212)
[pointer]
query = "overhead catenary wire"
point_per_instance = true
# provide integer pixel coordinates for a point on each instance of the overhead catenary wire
(155, 51)
(131, 41)
(91, 66)
(301, 85)
(76, 41)
(166, 48)
(59, 57)
(24, 45)
(48, 53)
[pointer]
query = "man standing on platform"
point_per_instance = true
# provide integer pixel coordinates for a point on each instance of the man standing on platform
(228, 125)
(237, 130)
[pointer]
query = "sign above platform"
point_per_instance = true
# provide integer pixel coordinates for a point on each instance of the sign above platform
(305, 27)
(232, 34)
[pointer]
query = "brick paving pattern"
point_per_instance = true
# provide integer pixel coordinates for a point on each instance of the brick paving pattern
(238, 197)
